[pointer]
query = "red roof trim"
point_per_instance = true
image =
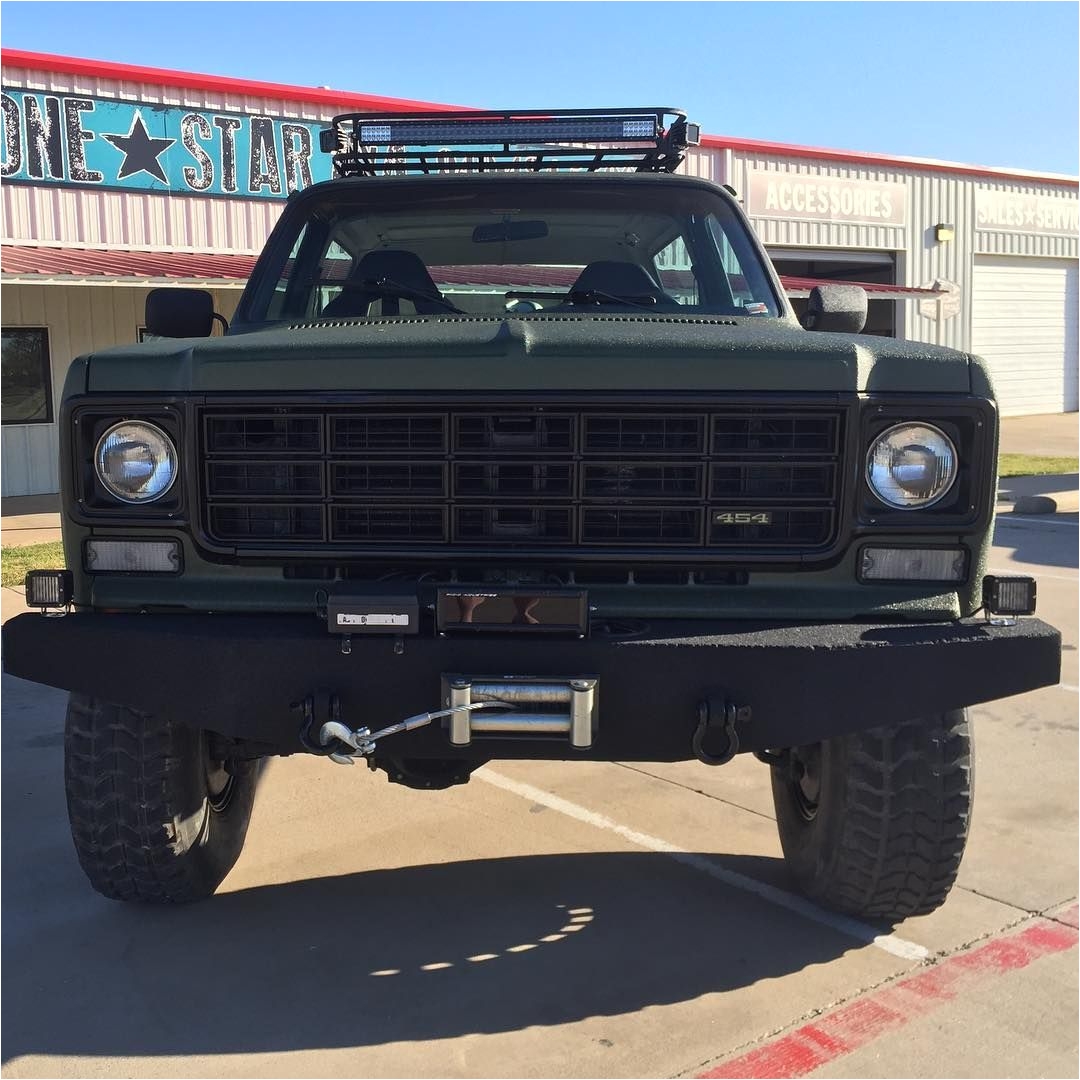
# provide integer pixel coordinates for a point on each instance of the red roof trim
(880, 161)
(73, 65)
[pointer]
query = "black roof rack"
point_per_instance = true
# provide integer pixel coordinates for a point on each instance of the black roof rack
(518, 140)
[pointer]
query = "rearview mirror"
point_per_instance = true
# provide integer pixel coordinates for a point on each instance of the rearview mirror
(503, 231)
(840, 309)
(179, 313)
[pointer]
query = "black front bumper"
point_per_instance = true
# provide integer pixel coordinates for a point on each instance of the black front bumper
(242, 675)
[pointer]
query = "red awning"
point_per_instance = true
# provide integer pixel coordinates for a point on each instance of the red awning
(77, 266)
(800, 286)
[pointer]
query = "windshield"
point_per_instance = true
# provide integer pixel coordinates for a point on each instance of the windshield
(436, 249)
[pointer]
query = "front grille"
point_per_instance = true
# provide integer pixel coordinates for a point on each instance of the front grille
(379, 433)
(372, 524)
(264, 433)
(643, 434)
(628, 481)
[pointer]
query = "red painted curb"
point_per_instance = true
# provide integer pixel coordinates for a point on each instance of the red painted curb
(853, 1026)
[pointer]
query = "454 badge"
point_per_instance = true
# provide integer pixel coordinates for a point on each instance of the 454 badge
(742, 517)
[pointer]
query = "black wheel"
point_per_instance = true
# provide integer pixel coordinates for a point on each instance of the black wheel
(154, 818)
(875, 823)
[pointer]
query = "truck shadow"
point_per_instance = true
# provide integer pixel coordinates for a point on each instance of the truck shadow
(399, 955)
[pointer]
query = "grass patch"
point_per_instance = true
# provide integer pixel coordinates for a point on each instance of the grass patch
(1032, 465)
(15, 561)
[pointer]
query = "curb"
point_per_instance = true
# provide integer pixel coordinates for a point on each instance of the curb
(1057, 502)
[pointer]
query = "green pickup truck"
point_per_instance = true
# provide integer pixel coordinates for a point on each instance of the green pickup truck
(518, 450)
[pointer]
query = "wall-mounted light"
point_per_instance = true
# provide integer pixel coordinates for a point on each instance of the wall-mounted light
(944, 233)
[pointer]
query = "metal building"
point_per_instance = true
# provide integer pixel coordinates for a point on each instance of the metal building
(117, 179)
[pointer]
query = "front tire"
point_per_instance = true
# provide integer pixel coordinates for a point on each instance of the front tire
(875, 823)
(154, 818)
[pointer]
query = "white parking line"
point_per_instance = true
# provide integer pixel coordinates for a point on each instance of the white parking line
(1015, 519)
(852, 928)
(1068, 686)
(1035, 574)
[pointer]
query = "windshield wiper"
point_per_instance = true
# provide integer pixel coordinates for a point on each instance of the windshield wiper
(389, 287)
(596, 296)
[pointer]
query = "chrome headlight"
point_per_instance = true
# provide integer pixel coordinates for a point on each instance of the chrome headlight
(135, 461)
(911, 466)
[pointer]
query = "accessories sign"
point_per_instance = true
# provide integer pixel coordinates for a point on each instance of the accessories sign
(825, 198)
(89, 142)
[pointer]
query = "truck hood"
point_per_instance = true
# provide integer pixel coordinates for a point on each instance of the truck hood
(595, 352)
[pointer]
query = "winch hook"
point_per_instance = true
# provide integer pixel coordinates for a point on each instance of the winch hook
(360, 742)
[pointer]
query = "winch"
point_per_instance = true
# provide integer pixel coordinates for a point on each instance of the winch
(542, 706)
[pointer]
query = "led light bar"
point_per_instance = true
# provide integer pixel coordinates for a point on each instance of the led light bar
(645, 139)
(528, 130)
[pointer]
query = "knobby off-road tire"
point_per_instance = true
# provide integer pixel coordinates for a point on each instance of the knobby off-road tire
(154, 820)
(875, 823)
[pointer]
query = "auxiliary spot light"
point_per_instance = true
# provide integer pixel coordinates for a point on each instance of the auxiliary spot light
(49, 588)
(1009, 595)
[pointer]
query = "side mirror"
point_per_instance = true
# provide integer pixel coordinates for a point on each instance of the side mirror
(840, 309)
(179, 313)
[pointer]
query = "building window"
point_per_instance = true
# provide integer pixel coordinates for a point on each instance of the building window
(26, 391)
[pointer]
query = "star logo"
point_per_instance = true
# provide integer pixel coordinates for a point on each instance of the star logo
(141, 151)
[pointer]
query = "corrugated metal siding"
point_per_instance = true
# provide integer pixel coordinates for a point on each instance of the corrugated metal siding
(123, 90)
(1011, 243)
(952, 200)
(129, 221)
(938, 199)
(708, 164)
(79, 320)
(933, 198)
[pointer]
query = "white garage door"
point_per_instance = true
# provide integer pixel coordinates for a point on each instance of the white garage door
(1023, 321)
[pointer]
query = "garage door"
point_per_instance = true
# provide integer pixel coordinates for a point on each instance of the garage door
(1024, 315)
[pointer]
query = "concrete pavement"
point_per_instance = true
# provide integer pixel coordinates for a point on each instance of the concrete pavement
(1053, 435)
(30, 519)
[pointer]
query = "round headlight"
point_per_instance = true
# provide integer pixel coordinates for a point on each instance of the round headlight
(135, 461)
(911, 466)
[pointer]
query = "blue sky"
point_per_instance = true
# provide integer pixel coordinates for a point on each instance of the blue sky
(987, 83)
